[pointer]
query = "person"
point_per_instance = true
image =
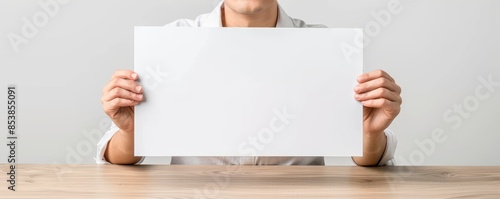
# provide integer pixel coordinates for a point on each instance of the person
(376, 91)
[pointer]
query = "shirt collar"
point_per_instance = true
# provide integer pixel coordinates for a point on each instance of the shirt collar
(214, 18)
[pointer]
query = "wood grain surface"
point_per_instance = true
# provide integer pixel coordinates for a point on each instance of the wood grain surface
(164, 181)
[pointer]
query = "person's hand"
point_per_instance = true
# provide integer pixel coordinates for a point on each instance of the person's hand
(120, 96)
(380, 96)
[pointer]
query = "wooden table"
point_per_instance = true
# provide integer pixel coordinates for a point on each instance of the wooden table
(163, 181)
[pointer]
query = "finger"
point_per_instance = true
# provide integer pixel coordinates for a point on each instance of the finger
(125, 74)
(112, 106)
(378, 93)
(381, 103)
(374, 75)
(118, 92)
(129, 85)
(377, 83)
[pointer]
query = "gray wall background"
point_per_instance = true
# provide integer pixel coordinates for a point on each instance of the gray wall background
(436, 50)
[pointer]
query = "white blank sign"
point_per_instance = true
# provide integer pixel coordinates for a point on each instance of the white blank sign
(247, 92)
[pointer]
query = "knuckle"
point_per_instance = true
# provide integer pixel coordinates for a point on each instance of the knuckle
(115, 92)
(385, 102)
(382, 92)
(383, 81)
(115, 81)
(113, 103)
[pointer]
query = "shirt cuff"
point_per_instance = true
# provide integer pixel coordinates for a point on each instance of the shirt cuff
(103, 143)
(390, 149)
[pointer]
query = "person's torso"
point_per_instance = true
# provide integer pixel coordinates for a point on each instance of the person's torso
(213, 19)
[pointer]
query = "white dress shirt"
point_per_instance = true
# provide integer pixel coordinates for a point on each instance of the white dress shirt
(213, 19)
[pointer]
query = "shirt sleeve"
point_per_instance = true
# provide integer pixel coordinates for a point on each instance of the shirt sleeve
(103, 143)
(390, 149)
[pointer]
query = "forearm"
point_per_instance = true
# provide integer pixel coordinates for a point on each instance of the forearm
(120, 149)
(373, 148)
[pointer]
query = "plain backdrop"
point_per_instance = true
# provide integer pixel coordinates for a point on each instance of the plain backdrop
(437, 50)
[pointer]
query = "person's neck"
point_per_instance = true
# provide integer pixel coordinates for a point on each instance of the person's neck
(267, 18)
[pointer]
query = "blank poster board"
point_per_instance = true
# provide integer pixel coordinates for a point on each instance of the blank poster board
(247, 92)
